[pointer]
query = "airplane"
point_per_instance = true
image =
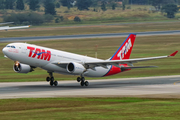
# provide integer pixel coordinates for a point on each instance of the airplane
(10, 28)
(27, 57)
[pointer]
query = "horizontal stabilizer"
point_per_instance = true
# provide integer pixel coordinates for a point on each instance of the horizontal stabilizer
(138, 67)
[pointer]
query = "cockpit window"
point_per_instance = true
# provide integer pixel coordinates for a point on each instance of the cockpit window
(10, 46)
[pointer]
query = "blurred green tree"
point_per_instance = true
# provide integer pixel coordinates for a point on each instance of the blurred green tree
(34, 5)
(9, 4)
(49, 7)
(20, 4)
(170, 9)
(84, 4)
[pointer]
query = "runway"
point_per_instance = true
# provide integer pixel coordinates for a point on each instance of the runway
(15, 39)
(160, 87)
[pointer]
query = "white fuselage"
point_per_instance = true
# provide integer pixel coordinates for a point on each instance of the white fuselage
(33, 55)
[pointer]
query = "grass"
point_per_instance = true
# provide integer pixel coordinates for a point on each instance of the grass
(93, 29)
(144, 47)
(89, 108)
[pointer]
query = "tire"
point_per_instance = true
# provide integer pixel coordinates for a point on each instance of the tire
(82, 83)
(55, 83)
(86, 83)
(83, 79)
(78, 79)
(48, 79)
(51, 83)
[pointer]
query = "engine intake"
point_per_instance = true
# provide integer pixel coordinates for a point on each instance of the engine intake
(75, 68)
(22, 68)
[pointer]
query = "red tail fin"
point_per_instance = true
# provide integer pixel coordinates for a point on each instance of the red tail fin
(124, 51)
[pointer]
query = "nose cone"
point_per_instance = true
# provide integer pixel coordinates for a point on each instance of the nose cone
(4, 50)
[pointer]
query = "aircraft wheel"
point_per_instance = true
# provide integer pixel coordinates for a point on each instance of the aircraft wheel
(78, 79)
(82, 83)
(51, 83)
(48, 79)
(55, 83)
(82, 79)
(86, 83)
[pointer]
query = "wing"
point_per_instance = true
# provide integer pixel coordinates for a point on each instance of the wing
(105, 63)
(9, 28)
(130, 62)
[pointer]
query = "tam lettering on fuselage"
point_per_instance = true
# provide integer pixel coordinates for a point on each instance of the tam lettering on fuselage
(42, 54)
(125, 49)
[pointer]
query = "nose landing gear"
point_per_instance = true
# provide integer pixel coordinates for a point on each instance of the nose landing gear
(51, 80)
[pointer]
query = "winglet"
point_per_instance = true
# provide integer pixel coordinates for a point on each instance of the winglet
(173, 54)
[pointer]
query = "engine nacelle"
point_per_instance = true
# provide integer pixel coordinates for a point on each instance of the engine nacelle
(22, 68)
(75, 68)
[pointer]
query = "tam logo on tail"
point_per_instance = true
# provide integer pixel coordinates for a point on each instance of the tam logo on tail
(124, 51)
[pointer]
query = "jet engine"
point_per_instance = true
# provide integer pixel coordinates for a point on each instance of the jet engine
(22, 68)
(75, 68)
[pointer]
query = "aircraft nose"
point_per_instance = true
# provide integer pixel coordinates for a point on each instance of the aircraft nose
(4, 50)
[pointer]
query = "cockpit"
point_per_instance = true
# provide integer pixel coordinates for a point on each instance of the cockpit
(9, 46)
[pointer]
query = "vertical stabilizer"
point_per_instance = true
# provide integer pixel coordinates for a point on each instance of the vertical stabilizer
(124, 51)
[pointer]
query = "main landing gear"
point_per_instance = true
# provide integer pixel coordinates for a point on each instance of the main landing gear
(82, 81)
(50, 79)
